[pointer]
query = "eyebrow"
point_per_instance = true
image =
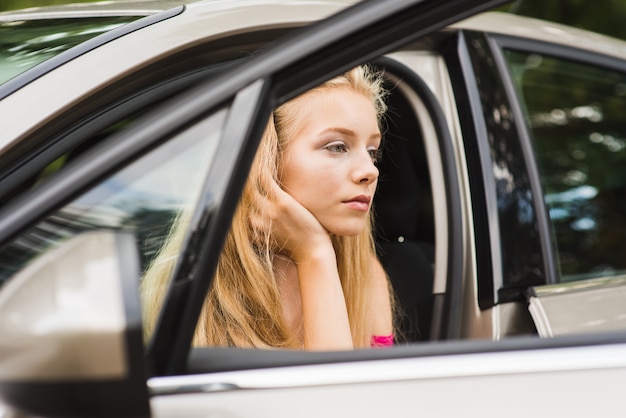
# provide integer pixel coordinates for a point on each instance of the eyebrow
(349, 132)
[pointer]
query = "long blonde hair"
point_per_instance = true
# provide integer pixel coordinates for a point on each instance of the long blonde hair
(244, 307)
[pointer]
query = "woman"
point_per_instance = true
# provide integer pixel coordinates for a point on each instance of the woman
(298, 269)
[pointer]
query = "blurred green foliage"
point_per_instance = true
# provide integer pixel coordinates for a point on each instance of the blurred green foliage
(24, 45)
(605, 16)
(6, 5)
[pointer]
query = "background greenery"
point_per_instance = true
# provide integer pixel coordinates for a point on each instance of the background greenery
(23, 4)
(605, 16)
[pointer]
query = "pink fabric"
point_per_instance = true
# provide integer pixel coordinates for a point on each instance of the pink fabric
(382, 340)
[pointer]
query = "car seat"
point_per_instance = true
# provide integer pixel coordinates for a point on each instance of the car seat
(402, 205)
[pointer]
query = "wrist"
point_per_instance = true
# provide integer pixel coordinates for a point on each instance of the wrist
(320, 252)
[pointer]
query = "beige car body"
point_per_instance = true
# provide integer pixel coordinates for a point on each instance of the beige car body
(468, 384)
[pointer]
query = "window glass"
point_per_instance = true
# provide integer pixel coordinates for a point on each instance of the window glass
(146, 198)
(51, 152)
(26, 43)
(575, 112)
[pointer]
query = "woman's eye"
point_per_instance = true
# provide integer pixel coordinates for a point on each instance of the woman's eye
(376, 154)
(338, 147)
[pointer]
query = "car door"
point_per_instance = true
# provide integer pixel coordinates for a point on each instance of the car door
(482, 378)
(555, 106)
(575, 130)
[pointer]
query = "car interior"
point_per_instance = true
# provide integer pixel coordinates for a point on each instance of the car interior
(404, 224)
(404, 229)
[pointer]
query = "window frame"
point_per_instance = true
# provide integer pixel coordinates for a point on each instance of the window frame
(477, 79)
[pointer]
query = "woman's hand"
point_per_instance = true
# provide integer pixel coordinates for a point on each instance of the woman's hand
(306, 243)
(296, 232)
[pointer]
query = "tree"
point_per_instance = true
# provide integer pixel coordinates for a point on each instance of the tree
(606, 16)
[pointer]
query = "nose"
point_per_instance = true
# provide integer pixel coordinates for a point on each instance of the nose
(364, 171)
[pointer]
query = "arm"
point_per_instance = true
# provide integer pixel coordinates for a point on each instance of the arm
(324, 313)
(308, 246)
(381, 318)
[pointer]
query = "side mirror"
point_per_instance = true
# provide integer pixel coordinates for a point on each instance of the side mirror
(70, 323)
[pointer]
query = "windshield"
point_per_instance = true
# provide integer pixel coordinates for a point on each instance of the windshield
(26, 43)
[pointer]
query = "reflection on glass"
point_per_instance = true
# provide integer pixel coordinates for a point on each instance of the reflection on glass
(26, 43)
(145, 198)
(576, 117)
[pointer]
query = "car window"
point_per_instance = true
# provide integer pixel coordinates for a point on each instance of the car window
(575, 112)
(146, 198)
(52, 152)
(26, 43)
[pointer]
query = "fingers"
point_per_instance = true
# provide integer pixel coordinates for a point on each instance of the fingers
(271, 202)
(276, 215)
(266, 208)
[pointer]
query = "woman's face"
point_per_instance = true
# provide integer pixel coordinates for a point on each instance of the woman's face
(328, 166)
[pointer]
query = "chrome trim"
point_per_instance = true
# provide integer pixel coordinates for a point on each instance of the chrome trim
(452, 366)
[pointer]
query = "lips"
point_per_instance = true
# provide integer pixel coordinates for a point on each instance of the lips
(360, 203)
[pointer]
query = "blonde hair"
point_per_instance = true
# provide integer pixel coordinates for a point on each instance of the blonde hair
(244, 307)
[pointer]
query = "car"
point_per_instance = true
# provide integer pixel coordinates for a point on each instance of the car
(499, 220)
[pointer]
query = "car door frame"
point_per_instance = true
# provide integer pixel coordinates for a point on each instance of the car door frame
(480, 76)
(351, 37)
(547, 299)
